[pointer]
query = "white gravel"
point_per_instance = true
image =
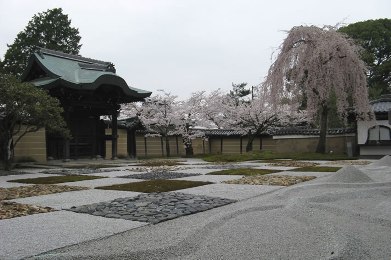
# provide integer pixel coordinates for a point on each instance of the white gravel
(113, 173)
(99, 182)
(312, 220)
(5, 184)
(294, 173)
(197, 170)
(385, 161)
(65, 200)
(378, 173)
(25, 176)
(231, 191)
(277, 168)
(42, 232)
(212, 178)
(12, 184)
(349, 174)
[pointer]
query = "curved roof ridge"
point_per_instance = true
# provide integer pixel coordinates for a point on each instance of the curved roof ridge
(50, 69)
(74, 57)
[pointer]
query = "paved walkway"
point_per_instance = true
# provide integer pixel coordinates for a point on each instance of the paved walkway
(262, 221)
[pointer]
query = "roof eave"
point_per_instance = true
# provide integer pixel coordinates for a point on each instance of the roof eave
(33, 58)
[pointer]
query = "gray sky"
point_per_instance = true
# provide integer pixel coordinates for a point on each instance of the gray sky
(183, 46)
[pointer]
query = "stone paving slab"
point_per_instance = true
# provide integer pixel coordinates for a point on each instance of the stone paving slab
(212, 178)
(153, 207)
(65, 200)
(232, 191)
(99, 182)
(30, 235)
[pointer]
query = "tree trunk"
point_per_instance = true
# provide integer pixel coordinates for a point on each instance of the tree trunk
(167, 147)
(249, 146)
(7, 152)
(321, 148)
(3, 152)
(189, 150)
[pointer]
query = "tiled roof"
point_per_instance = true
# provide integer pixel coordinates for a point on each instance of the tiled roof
(79, 73)
(220, 132)
(281, 131)
(129, 123)
(276, 132)
(83, 61)
(382, 105)
(311, 131)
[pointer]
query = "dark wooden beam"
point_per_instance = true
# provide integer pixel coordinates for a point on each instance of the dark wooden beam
(114, 135)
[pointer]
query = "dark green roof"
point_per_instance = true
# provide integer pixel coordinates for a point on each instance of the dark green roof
(50, 69)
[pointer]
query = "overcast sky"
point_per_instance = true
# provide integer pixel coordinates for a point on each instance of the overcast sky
(183, 46)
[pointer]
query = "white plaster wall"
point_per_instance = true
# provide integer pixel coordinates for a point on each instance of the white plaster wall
(363, 126)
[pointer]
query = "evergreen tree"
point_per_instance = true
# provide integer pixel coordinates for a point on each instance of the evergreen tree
(375, 38)
(51, 29)
(239, 92)
(324, 66)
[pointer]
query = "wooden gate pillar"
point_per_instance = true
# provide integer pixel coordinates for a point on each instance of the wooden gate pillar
(114, 135)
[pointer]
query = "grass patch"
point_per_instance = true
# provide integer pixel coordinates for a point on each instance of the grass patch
(56, 179)
(154, 163)
(317, 169)
(155, 185)
(268, 155)
(245, 171)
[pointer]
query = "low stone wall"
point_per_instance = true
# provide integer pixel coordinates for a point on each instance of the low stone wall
(232, 144)
(155, 146)
(33, 145)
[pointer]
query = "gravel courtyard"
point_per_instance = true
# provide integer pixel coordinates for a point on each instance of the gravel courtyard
(332, 215)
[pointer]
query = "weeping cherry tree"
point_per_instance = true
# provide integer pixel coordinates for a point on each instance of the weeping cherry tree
(316, 64)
